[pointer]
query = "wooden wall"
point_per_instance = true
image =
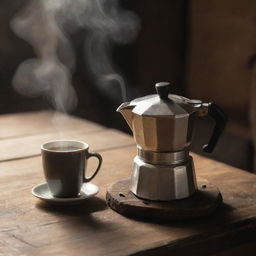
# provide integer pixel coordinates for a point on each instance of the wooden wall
(219, 67)
(222, 43)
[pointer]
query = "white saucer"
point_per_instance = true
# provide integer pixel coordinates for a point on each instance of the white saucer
(42, 192)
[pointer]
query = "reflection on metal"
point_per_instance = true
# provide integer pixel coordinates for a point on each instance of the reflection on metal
(163, 181)
(168, 158)
(162, 127)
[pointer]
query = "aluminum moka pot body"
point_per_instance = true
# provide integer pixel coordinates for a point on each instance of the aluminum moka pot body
(162, 122)
(162, 126)
(162, 133)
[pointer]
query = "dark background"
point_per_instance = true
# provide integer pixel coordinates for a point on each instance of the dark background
(205, 48)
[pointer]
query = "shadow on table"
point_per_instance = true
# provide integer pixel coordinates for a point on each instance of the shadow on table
(91, 205)
(222, 230)
(87, 225)
(221, 215)
(77, 216)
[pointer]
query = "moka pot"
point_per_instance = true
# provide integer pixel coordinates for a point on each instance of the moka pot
(162, 126)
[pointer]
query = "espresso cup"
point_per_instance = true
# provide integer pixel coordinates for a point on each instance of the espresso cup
(64, 164)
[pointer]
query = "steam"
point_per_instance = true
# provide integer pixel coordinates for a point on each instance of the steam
(45, 25)
(46, 75)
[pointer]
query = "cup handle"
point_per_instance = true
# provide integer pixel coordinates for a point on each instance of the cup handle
(97, 155)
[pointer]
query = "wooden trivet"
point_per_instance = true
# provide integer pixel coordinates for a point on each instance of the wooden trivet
(202, 203)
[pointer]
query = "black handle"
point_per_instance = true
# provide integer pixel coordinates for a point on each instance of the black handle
(163, 89)
(220, 119)
(97, 155)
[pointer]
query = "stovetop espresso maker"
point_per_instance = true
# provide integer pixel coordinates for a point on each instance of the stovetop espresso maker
(162, 127)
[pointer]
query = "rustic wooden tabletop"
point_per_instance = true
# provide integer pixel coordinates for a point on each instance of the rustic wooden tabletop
(29, 226)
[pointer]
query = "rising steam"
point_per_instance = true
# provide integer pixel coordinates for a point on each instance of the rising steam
(45, 23)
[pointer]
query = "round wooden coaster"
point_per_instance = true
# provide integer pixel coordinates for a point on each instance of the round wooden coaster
(202, 203)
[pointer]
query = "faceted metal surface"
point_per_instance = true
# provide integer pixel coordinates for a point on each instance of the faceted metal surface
(153, 105)
(163, 182)
(162, 125)
(162, 134)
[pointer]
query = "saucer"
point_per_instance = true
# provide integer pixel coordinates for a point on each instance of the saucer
(42, 192)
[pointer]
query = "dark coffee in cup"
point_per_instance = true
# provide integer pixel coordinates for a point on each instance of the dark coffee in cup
(65, 149)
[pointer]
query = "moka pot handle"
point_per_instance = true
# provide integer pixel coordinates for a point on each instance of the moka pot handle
(220, 119)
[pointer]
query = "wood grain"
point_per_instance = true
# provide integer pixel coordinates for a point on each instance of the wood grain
(31, 227)
(27, 146)
(38, 122)
(202, 203)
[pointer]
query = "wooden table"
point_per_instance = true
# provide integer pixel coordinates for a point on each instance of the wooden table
(28, 226)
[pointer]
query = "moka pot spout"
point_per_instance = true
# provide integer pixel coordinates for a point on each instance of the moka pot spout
(126, 110)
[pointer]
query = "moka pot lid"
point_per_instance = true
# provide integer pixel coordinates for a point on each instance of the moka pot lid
(163, 104)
